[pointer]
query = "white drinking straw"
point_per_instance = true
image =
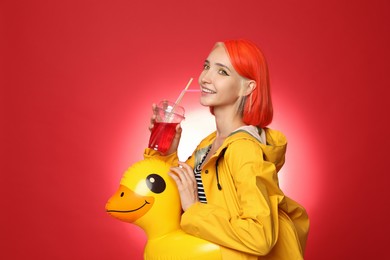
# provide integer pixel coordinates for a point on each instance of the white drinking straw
(182, 93)
(169, 117)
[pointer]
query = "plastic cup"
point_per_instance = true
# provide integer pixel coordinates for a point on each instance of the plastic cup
(168, 116)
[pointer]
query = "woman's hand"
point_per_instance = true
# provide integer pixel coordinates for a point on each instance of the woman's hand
(184, 177)
(176, 138)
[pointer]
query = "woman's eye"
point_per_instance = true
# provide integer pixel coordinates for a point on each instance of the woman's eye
(223, 72)
(206, 66)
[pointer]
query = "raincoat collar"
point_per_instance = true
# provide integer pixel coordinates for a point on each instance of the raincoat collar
(274, 149)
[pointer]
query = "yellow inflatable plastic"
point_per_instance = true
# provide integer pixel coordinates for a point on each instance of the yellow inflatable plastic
(148, 197)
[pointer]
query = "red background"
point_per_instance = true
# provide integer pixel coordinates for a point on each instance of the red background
(78, 79)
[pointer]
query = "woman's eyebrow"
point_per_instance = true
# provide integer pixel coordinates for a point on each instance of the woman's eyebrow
(224, 66)
(218, 64)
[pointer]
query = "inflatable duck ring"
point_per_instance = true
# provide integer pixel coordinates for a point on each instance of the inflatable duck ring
(148, 197)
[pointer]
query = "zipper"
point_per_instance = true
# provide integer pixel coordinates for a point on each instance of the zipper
(221, 154)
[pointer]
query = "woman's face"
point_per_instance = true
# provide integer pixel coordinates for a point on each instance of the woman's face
(220, 84)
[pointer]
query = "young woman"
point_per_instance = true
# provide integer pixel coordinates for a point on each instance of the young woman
(229, 187)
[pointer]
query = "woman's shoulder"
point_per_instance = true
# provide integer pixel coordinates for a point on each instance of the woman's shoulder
(265, 136)
(243, 144)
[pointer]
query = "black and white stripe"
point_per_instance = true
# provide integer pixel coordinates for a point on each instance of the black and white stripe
(197, 172)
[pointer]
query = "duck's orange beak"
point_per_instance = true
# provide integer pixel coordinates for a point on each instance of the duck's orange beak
(128, 206)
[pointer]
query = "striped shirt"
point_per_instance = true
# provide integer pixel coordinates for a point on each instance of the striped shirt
(198, 177)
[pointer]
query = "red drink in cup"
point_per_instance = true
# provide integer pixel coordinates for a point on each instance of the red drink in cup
(169, 115)
(162, 136)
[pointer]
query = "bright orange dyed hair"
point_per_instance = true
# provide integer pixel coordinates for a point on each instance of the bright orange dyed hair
(248, 60)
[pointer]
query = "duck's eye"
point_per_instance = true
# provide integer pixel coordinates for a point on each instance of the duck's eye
(155, 183)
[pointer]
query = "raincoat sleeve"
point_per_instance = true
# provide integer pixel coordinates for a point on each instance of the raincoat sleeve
(250, 222)
(171, 159)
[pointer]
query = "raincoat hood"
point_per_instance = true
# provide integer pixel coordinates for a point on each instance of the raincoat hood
(274, 148)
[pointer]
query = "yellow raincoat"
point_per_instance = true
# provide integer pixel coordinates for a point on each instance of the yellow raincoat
(246, 212)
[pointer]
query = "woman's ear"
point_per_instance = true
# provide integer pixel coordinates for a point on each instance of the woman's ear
(250, 85)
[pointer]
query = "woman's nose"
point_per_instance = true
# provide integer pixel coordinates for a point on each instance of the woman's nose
(205, 77)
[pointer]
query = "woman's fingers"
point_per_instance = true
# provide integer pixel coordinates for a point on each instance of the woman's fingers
(185, 173)
(188, 173)
(152, 121)
(187, 167)
(180, 175)
(175, 178)
(153, 117)
(186, 184)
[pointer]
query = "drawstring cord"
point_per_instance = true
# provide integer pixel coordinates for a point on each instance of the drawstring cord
(216, 167)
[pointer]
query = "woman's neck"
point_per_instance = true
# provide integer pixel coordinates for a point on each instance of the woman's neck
(226, 123)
